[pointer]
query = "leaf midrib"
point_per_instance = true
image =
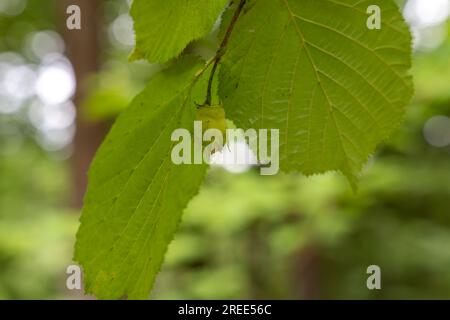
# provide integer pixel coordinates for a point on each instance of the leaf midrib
(103, 217)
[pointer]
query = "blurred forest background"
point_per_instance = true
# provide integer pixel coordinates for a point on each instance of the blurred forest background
(243, 236)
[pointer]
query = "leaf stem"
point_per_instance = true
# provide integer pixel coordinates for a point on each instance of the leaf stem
(222, 49)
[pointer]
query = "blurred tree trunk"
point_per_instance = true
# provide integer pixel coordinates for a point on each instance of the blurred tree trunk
(307, 272)
(83, 48)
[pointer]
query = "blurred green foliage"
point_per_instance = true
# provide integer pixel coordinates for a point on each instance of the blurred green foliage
(37, 15)
(244, 236)
(36, 227)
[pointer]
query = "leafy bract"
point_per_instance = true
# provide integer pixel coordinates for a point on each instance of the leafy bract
(164, 28)
(136, 194)
(313, 70)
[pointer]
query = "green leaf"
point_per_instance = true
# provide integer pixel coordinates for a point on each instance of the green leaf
(136, 194)
(164, 28)
(313, 70)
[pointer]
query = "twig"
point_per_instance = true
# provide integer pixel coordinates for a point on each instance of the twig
(222, 49)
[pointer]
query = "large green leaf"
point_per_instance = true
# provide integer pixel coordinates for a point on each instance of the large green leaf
(312, 69)
(136, 194)
(164, 28)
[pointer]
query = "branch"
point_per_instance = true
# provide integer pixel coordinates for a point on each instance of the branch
(222, 49)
